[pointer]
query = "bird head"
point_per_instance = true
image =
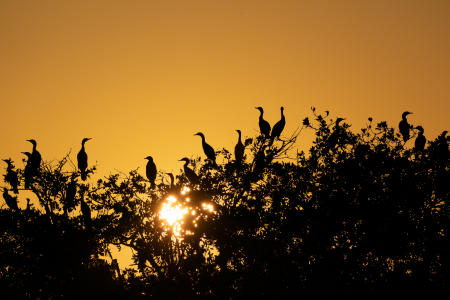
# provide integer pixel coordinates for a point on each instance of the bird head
(85, 140)
(339, 120)
(405, 114)
(261, 110)
(28, 154)
(8, 161)
(32, 141)
(185, 159)
(420, 128)
(149, 158)
(238, 131)
(282, 109)
(200, 134)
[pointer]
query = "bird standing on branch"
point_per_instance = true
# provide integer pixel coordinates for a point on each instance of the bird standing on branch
(150, 171)
(404, 126)
(11, 176)
(279, 126)
(420, 141)
(239, 148)
(10, 200)
(209, 151)
(35, 158)
(28, 171)
(264, 126)
(83, 159)
(190, 174)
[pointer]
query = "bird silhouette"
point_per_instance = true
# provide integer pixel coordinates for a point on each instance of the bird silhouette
(279, 126)
(420, 141)
(71, 192)
(150, 171)
(264, 126)
(404, 126)
(11, 176)
(190, 174)
(83, 159)
(28, 171)
(442, 146)
(35, 158)
(333, 138)
(209, 151)
(86, 211)
(10, 200)
(239, 148)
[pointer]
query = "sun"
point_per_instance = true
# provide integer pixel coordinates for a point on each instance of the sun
(173, 213)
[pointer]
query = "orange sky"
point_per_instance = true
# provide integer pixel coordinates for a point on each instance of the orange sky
(141, 77)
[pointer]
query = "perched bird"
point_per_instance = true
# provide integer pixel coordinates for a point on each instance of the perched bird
(239, 148)
(10, 200)
(209, 151)
(279, 126)
(442, 147)
(334, 136)
(190, 174)
(404, 126)
(11, 176)
(83, 159)
(264, 126)
(28, 171)
(420, 141)
(86, 211)
(71, 191)
(35, 158)
(150, 171)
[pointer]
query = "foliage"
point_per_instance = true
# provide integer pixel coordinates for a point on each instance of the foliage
(359, 213)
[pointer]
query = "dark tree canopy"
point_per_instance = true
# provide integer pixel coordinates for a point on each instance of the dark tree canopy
(360, 213)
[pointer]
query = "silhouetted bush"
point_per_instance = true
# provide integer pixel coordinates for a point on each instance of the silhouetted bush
(358, 214)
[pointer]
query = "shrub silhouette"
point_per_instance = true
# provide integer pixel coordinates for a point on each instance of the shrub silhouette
(358, 214)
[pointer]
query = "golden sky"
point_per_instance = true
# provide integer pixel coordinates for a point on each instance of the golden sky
(141, 77)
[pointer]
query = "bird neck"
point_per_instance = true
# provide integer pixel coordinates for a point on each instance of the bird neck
(261, 113)
(239, 137)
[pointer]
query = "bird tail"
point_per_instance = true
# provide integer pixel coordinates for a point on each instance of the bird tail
(152, 185)
(15, 189)
(83, 175)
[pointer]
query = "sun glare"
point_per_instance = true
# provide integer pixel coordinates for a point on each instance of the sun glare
(174, 212)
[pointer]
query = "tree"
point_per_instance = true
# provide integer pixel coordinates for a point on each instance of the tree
(358, 213)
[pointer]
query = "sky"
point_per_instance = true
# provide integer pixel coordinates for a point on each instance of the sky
(141, 77)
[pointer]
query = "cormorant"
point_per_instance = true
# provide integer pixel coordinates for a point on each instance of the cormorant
(209, 151)
(442, 147)
(71, 192)
(35, 158)
(190, 174)
(86, 211)
(404, 126)
(150, 171)
(83, 159)
(279, 126)
(28, 171)
(420, 141)
(11, 176)
(10, 200)
(264, 126)
(239, 148)
(333, 139)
